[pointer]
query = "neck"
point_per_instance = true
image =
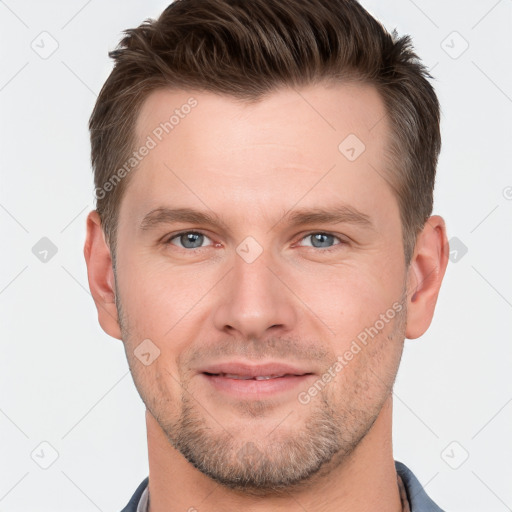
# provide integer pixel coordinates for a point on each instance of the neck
(365, 481)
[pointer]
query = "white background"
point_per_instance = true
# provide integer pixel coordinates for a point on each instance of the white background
(65, 382)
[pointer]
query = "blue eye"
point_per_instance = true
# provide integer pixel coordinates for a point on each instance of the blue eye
(321, 240)
(189, 240)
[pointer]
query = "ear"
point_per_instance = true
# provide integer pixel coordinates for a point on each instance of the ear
(425, 274)
(101, 275)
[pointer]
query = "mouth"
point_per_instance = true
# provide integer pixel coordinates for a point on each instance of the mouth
(246, 381)
(256, 377)
(245, 370)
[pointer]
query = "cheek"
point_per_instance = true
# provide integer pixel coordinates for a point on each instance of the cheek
(369, 360)
(350, 297)
(157, 296)
(158, 385)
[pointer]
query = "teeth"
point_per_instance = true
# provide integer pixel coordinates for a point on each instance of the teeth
(258, 377)
(233, 376)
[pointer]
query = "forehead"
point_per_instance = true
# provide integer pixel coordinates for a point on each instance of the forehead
(316, 113)
(221, 151)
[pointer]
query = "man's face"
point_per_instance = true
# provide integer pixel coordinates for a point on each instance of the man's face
(263, 284)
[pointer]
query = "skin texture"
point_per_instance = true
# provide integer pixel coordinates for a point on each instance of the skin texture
(254, 165)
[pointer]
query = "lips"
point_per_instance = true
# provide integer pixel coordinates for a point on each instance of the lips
(244, 371)
(241, 380)
(245, 377)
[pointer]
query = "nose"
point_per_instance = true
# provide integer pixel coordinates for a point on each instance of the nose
(254, 300)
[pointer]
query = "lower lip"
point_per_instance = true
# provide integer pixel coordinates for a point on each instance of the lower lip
(250, 388)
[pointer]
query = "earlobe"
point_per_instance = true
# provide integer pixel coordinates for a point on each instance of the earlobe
(425, 275)
(100, 275)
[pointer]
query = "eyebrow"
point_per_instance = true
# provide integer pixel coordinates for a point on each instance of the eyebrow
(164, 215)
(336, 215)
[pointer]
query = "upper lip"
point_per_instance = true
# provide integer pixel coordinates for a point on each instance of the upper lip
(251, 370)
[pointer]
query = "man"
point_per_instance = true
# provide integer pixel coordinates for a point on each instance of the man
(262, 245)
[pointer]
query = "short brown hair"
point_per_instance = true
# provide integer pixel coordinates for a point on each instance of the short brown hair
(247, 49)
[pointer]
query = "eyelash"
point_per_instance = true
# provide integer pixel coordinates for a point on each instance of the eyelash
(326, 249)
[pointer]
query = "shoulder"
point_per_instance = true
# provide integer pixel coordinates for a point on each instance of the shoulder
(134, 501)
(419, 501)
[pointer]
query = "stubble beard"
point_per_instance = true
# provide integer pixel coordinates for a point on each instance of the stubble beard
(275, 463)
